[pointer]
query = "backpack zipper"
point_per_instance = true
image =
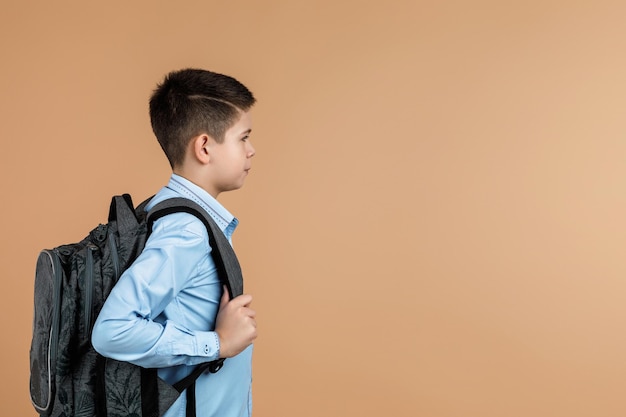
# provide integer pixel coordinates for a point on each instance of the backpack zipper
(114, 256)
(58, 289)
(89, 286)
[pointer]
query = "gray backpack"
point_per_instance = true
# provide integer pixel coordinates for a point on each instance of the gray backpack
(68, 378)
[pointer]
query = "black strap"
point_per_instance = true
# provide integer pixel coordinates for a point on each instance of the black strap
(187, 381)
(190, 410)
(149, 389)
(228, 270)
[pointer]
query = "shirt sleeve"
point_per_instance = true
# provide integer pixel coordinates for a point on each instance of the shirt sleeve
(127, 327)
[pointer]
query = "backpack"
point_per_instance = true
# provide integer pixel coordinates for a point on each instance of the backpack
(68, 378)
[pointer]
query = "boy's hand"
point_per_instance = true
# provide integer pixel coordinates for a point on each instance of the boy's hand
(235, 325)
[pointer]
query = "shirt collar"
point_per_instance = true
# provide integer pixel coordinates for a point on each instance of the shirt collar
(224, 219)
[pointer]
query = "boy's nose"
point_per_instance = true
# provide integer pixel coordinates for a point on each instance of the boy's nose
(251, 150)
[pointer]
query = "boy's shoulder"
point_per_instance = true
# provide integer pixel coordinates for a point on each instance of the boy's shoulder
(174, 223)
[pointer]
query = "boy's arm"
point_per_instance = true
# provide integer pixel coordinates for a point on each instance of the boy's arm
(125, 328)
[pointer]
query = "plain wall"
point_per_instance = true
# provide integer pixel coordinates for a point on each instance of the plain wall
(434, 222)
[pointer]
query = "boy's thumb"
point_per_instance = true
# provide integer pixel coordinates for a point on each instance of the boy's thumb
(225, 297)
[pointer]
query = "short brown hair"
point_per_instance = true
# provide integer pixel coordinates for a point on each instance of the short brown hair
(190, 102)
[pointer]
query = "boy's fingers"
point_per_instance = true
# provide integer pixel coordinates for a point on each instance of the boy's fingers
(243, 300)
(251, 313)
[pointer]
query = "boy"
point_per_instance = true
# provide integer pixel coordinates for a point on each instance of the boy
(169, 310)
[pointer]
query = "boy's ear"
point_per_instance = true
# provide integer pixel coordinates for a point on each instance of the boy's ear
(200, 148)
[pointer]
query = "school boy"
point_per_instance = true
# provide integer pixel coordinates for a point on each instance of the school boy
(169, 310)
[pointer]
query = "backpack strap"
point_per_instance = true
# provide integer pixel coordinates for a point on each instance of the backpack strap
(228, 270)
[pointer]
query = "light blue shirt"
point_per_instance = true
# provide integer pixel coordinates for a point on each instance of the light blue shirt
(161, 313)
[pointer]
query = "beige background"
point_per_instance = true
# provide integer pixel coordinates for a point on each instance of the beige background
(434, 225)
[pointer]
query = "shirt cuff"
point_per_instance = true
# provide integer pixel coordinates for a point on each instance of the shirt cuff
(208, 345)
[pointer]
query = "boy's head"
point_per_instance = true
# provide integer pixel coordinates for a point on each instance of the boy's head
(190, 102)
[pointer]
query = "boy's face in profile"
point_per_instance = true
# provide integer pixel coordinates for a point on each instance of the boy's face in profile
(231, 159)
